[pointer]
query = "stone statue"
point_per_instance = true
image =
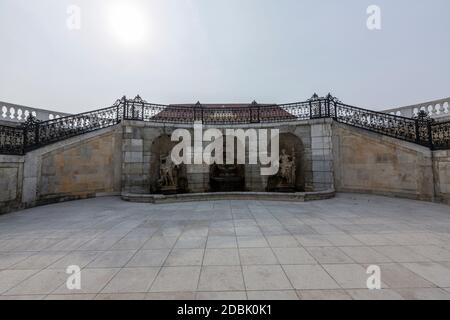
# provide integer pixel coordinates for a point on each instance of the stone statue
(167, 172)
(287, 168)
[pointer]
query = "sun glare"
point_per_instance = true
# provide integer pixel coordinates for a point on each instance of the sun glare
(128, 23)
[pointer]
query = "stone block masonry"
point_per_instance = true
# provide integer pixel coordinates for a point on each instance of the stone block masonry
(11, 179)
(125, 159)
(322, 155)
(84, 166)
(371, 163)
(441, 173)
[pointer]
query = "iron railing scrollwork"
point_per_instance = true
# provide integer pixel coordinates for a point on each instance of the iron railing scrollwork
(11, 140)
(34, 134)
(441, 135)
(390, 125)
(59, 129)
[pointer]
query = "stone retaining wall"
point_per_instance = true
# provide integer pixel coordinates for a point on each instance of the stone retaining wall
(11, 178)
(121, 159)
(80, 167)
(441, 170)
(141, 141)
(367, 162)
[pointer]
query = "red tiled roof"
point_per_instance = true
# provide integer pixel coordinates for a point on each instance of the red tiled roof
(223, 113)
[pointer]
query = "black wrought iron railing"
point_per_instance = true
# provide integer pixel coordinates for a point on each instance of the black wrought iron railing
(440, 135)
(386, 124)
(11, 140)
(44, 133)
(34, 134)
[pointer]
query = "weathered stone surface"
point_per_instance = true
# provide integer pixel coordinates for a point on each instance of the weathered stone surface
(441, 171)
(124, 158)
(367, 162)
(8, 184)
(321, 155)
(11, 180)
(80, 169)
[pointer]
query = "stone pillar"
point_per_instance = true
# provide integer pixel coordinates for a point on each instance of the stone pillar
(254, 181)
(441, 173)
(303, 132)
(133, 175)
(30, 178)
(198, 177)
(322, 155)
(11, 178)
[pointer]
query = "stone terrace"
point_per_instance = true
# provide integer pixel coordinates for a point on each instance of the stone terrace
(228, 249)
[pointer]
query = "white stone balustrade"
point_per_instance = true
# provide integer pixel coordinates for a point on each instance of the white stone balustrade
(10, 112)
(437, 109)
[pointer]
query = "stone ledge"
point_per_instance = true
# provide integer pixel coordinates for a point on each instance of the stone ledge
(4, 158)
(208, 196)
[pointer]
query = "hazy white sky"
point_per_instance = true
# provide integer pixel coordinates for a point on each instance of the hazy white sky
(223, 51)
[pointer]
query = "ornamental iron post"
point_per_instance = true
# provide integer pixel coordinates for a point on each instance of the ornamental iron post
(423, 123)
(315, 98)
(31, 125)
(198, 108)
(335, 109)
(430, 133)
(124, 104)
(259, 113)
(24, 139)
(417, 130)
(328, 107)
(254, 107)
(141, 102)
(119, 102)
(310, 110)
(331, 99)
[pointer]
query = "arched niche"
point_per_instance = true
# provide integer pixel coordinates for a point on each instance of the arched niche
(227, 177)
(292, 150)
(160, 152)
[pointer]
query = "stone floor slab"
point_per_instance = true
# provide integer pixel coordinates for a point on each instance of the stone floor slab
(112, 259)
(185, 257)
(423, 293)
(309, 277)
(431, 271)
(336, 294)
(382, 294)
(43, 282)
(221, 278)
(149, 258)
(272, 295)
(364, 254)
(131, 280)
(199, 249)
(11, 278)
(293, 256)
(255, 256)
(221, 242)
(221, 295)
(221, 257)
(329, 255)
(265, 278)
(348, 275)
(176, 279)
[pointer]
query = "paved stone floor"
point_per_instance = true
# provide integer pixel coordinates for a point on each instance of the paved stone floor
(228, 249)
